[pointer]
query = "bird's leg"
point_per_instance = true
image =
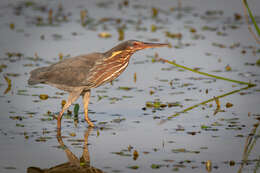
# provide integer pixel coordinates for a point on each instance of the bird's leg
(86, 102)
(73, 96)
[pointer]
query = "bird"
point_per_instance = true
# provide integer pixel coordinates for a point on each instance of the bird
(78, 75)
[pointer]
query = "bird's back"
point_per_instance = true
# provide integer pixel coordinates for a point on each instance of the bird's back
(71, 72)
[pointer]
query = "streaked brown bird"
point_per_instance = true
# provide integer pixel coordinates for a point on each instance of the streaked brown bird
(77, 75)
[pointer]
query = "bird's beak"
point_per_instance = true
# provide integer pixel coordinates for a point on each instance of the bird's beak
(144, 45)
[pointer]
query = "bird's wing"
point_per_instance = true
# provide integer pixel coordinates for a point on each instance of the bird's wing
(72, 71)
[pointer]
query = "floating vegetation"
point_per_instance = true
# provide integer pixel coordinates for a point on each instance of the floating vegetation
(183, 150)
(9, 84)
(173, 35)
(83, 16)
(43, 96)
(135, 155)
(12, 26)
(125, 88)
(133, 167)
(104, 35)
(156, 166)
(121, 34)
(154, 12)
(208, 165)
(122, 153)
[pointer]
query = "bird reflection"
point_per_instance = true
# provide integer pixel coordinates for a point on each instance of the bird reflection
(74, 165)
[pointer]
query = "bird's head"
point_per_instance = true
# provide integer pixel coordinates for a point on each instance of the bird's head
(135, 45)
(131, 46)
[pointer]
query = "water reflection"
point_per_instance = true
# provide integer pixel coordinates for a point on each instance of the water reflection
(75, 165)
(249, 146)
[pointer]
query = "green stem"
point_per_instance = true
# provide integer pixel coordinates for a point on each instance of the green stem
(252, 17)
(204, 102)
(206, 74)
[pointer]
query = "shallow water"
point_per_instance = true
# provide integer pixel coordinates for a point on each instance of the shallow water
(186, 143)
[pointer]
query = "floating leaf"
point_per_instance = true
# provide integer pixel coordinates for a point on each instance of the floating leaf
(219, 45)
(121, 153)
(208, 28)
(258, 62)
(133, 167)
(153, 28)
(50, 13)
(16, 118)
(228, 105)
(9, 83)
(237, 16)
(173, 35)
(208, 165)
(118, 120)
(193, 30)
(135, 77)
(42, 139)
(228, 68)
(19, 125)
(72, 134)
(9, 167)
(232, 162)
(204, 127)
(154, 12)
(12, 26)
(43, 96)
(2, 66)
(125, 88)
(57, 36)
(180, 150)
(155, 104)
(183, 150)
(83, 14)
(135, 155)
(104, 35)
(129, 148)
(155, 166)
(121, 34)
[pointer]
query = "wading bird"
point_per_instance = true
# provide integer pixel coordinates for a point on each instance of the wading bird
(77, 75)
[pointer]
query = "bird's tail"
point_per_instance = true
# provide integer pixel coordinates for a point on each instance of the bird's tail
(35, 77)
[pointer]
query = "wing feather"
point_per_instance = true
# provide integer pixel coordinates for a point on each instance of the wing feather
(70, 72)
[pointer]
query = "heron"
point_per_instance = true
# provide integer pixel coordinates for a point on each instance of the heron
(78, 75)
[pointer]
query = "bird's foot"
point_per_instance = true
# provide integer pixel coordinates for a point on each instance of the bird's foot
(90, 124)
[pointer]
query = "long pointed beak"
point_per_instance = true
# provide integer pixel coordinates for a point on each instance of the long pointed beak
(152, 45)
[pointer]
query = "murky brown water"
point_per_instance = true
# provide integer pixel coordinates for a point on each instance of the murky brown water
(212, 39)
